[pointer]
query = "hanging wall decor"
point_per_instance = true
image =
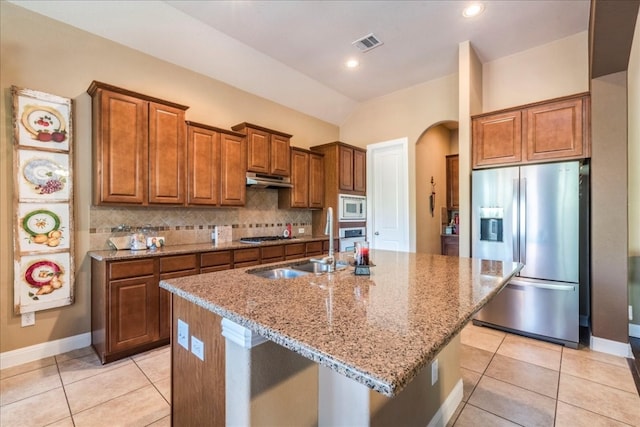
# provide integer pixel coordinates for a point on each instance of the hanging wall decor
(43, 203)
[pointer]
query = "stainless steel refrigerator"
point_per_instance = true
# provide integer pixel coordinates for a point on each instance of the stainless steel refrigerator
(537, 215)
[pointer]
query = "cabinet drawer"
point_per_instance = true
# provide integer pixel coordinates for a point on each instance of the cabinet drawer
(215, 259)
(314, 248)
(272, 253)
(124, 269)
(246, 255)
(170, 264)
(295, 249)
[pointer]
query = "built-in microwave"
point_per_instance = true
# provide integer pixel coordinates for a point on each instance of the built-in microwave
(352, 208)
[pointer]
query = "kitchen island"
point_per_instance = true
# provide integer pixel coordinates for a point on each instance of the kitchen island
(341, 335)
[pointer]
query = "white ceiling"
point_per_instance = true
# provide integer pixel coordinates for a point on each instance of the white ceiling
(293, 52)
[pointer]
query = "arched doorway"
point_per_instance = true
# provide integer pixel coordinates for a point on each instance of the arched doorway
(437, 142)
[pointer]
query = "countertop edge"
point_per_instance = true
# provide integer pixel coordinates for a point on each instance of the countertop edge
(122, 254)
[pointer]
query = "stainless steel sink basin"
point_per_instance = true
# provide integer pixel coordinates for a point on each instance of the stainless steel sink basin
(293, 271)
(279, 273)
(315, 267)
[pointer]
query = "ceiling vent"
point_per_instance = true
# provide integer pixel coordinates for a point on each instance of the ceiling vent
(367, 42)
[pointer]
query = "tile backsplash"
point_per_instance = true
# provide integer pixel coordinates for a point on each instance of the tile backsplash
(259, 217)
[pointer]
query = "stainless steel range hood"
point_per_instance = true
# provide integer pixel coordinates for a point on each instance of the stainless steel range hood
(257, 180)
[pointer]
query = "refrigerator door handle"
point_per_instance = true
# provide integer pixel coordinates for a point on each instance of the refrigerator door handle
(523, 221)
(514, 230)
(550, 286)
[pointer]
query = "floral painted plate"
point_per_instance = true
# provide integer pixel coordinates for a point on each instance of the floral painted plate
(41, 272)
(40, 221)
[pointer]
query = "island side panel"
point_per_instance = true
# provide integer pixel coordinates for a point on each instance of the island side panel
(197, 387)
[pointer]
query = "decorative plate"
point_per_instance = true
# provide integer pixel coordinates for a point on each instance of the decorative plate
(41, 272)
(40, 222)
(40, 171)
(44, 123)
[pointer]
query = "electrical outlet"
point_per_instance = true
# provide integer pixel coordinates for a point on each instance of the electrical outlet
(434, 372)
(183, 334)
(197, 348)
(630, 312)
(300, 230)
(28, 319)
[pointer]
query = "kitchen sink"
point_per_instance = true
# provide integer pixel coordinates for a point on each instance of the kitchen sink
(279, 273)
(296, 270)
(315, 267)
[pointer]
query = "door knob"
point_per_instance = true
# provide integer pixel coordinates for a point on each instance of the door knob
(377, 233)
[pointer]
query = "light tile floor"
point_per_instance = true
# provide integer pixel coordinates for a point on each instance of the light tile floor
(508, 381)
(511, 380)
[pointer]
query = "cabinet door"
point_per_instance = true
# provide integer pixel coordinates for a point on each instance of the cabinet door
(299, 179)
(359, 171)
(554, 131)
(167, 153)
(133, 312)
(203, 166)
(120, 146)
(233, 170)
(258, 149)
(316, 181)
(452, 182)
(497, 139)
(345, 162)
(450, 245)
(280, 159)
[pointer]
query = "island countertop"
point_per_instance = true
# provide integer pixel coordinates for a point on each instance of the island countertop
(379, 330)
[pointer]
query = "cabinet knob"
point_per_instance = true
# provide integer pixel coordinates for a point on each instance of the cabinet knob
(377, 233)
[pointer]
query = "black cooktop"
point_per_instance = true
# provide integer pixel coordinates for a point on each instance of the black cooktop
(261, 239)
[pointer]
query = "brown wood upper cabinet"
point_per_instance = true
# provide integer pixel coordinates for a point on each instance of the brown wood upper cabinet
(452, 169)
(557, 129)
(307, 178)
(345, 166)
(267, 149)
(215, 166)
(139, 148)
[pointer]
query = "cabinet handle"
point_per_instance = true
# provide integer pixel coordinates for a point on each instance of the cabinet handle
(377, 233)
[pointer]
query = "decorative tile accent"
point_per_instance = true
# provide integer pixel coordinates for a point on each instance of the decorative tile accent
(259, 217)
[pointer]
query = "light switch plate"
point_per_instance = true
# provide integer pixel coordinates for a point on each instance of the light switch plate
(183, 334)
(300, 230)
(197, 348)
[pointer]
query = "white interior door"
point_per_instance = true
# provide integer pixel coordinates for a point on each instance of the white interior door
(388, 195)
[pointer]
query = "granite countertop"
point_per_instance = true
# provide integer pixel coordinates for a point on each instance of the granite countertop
(115, 255)
(379, 330)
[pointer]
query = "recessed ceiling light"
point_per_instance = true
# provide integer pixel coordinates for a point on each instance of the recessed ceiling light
(472, 10)
(352, 63)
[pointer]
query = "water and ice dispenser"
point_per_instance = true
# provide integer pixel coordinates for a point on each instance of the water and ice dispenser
(491, 224)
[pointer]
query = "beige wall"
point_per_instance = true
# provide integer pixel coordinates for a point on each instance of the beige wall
(431, 150)
(633, 90)
(545, 72)
(609, 288)
(45, 55)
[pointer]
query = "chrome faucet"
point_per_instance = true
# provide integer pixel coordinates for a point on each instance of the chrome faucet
(330, 259)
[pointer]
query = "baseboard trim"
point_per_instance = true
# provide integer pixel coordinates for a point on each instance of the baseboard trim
(449, 406)
(612, 347)
(46, 349)
(634, 330)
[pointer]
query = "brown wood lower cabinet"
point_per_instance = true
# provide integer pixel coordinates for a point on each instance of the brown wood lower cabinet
(130, 313)
(125, 310)
(450, 245)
